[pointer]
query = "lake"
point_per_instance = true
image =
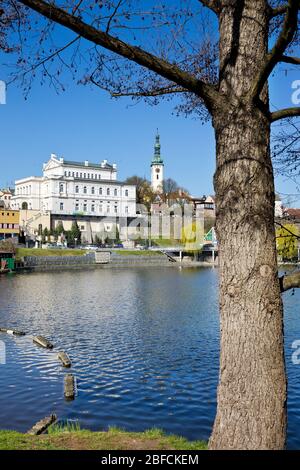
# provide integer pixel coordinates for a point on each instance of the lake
(144, 345)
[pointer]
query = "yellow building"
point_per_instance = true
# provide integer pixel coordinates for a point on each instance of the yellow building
(9, 223)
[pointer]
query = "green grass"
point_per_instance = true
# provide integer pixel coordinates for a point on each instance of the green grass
(137, 253)
(21, 252)
(70, 426)
(165, 242)
(71, 437)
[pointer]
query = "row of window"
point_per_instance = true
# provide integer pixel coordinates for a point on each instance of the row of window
(8, 214)
(23, 190)
(93, 190)
(92, 207)
(16, 226)
(76, 174)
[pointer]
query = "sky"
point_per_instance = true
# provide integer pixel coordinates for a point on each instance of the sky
(84, 123)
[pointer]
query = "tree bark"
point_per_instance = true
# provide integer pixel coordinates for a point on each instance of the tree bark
(251, 411)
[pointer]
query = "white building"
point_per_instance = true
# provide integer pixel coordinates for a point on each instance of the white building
(157, 168)
(74, 188)
(5, 197)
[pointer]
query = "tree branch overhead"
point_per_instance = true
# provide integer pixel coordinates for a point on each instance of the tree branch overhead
(207, 92)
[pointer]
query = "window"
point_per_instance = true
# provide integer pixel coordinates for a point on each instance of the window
(80, 175)
(126, 192)
(84, 175)
(115, 192)
(88, 176)
(93, 190)
(76, 174)
(85, 207)
(76, 189)
(108, 208)
(101, 207)
(126, 210)
(61, 188)
(61, 206)
(108, 191)
(116, 209)
(100, 191)
(77, 206)
(93, 208)
(84, 190)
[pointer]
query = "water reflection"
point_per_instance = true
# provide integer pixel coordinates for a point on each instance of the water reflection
(143, 343)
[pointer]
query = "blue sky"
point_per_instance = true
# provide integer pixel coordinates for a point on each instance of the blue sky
(85, 123)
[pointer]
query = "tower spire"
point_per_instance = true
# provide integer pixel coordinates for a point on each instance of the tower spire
(157, 155)
(157, 167)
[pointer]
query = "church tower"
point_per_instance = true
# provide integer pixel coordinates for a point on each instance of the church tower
(157, 167)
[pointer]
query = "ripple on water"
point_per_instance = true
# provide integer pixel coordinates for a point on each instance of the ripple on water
(143, 345)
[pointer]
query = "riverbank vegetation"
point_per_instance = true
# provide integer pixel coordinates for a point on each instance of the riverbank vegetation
(60, 438)
(21, 252)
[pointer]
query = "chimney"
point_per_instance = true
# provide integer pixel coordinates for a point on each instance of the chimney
(86, 163)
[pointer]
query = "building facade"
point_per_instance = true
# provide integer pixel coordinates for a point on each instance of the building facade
(74, 188)
(157, 168)
(9, 223)
(5, 197)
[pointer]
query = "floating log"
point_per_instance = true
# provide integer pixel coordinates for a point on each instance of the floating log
(12, 332)
(42, 425)
(64, 358)
(41, 341)
(69, 387)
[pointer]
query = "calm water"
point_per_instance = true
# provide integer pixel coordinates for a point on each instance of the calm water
(144, 347)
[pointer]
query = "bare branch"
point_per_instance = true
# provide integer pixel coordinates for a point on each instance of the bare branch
(213, 5)
(48, 58)
(286, 36)
(278, 11)
(150, 93)
(113, 15)
(290, 281)
(207, 92)
(287, 230)
(284, 113)
(290, 60)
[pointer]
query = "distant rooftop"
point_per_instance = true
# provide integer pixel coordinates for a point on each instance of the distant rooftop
(86, 164)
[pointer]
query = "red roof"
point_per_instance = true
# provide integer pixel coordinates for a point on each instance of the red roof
(293, 213)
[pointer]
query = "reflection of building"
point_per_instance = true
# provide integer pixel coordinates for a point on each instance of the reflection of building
(157, 168)
(9, 223)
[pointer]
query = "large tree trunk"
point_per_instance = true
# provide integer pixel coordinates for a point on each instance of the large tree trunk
(251, 412)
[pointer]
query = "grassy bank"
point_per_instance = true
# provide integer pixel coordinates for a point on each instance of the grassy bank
(137, 253)
(52, 252)
(114, 439)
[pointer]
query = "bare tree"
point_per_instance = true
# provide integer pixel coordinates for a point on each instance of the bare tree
(160, 51)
